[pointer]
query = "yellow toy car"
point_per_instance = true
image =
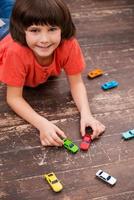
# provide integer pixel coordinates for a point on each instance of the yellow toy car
(53, 182)
(94, 73)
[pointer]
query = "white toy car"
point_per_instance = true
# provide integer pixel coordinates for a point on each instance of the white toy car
(106, 177)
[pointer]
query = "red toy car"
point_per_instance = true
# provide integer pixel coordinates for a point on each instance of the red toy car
(85, 144)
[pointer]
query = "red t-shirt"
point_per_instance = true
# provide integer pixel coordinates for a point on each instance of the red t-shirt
(18, 66)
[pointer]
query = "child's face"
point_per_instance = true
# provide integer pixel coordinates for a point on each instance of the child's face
(43, 40)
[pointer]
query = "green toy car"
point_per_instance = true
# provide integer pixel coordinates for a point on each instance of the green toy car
(68, 144)
(128, 135)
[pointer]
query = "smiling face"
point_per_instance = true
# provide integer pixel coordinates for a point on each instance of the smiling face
(43, 40)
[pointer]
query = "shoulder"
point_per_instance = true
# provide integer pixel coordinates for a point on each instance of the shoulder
(70, 56)
(68, 44)
(10, 47)
(68, 48)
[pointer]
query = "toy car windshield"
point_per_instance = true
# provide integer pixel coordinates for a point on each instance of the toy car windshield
(108, 178)
(88, 130)
(71, 145)
(131, 132)
(55, 181)
(50, 175)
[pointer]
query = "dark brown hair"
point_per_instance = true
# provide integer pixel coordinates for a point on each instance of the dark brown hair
(39, 12)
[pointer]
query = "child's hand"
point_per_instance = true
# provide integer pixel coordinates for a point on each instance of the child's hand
(98, 127)
(50, 134)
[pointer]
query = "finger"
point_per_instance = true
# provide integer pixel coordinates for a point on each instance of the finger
(44, 143)
(82, 129)
(53, 142)
(59, 132)
(95, 133)
(58, 139)
(61, 135)
(98, 130)
(103, 129)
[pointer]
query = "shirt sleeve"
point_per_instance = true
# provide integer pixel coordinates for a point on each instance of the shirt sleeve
(12, 69)
(74, 61)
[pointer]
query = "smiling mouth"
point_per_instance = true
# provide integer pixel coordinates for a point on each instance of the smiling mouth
(44, 47)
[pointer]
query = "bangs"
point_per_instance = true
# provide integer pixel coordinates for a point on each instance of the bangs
(48, 14)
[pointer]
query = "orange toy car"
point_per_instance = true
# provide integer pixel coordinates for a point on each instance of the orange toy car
(94, 73)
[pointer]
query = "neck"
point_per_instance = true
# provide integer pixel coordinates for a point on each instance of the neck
(45, 61)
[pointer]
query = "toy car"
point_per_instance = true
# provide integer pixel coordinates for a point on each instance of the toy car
(85, 144)
(106, 177)
(109, 85)
(68, 144)
(128, 134)
(53, 182)
(89, 130)
(94, 73)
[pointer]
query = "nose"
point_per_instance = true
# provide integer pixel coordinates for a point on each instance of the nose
(44, 37)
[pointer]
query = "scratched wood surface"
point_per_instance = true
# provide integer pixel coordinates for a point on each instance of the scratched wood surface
(105, 30)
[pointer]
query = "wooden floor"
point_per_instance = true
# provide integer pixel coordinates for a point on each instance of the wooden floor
(105, 30)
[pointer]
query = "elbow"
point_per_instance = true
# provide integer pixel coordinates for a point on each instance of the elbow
(11, 101)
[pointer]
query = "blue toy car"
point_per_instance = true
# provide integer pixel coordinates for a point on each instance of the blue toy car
(128, 134)
(109, 85)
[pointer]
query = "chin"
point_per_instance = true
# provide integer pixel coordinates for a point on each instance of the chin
(43, 54)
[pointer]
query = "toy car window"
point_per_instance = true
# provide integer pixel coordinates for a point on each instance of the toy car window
(87, 142)
(132, 133)
(102, 177)
(108, 177)
(50, 175)
(89, 129)
(55, 181)
(71, 145)
(100, 173)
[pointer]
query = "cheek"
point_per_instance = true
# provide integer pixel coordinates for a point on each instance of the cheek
(29, 39)
(58, 37)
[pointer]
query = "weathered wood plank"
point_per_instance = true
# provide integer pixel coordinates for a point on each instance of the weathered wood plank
(100, 102)
(97, 4)
(79, 184)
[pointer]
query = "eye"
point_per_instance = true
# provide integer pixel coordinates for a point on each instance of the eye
(34, 30)
(53, 28)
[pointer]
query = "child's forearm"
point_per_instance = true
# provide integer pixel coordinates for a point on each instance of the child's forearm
(24, 110)
(80, 98)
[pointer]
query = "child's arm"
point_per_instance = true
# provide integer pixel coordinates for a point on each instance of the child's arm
(80, 97)
(48, 131)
